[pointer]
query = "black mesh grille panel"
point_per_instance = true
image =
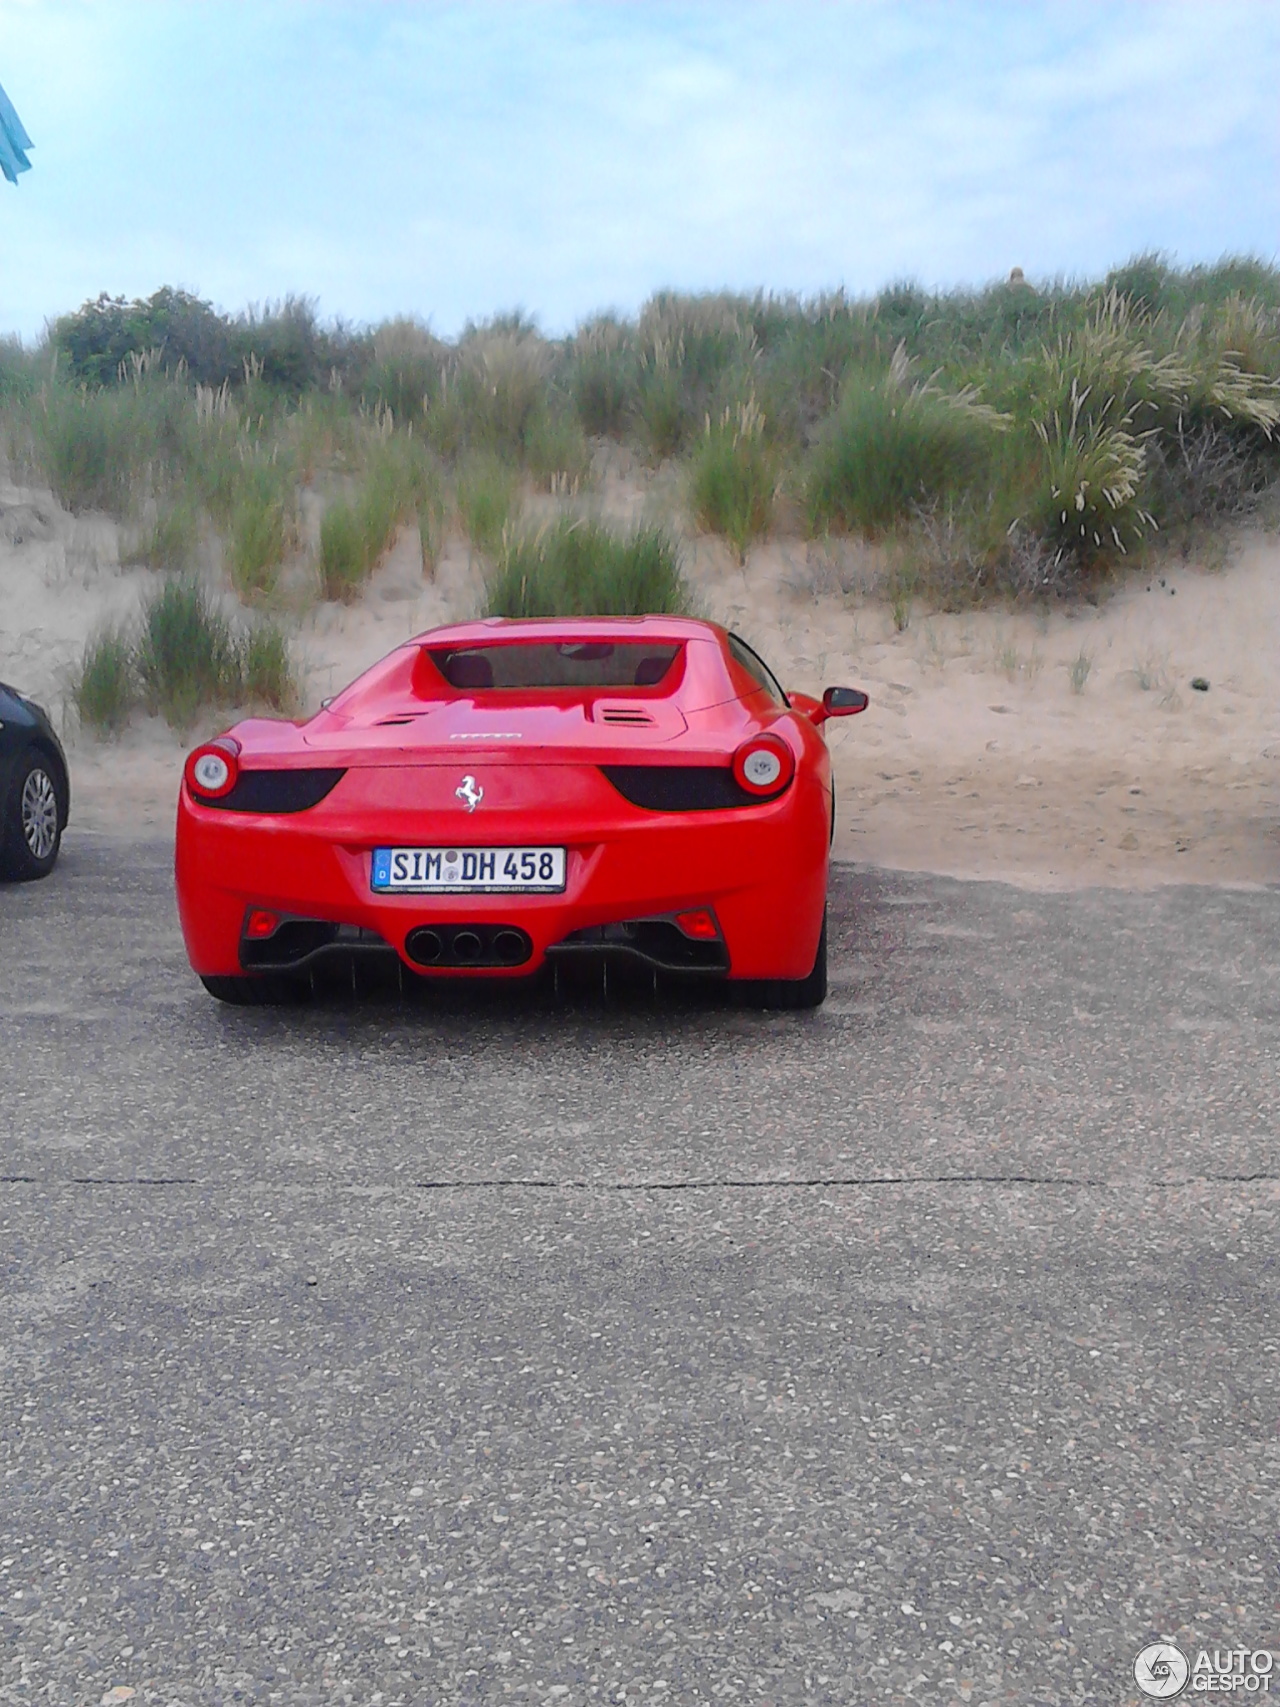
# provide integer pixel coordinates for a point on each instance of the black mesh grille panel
(276, 791)
(680, 788)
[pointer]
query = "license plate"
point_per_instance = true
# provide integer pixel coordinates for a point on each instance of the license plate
(463, 871)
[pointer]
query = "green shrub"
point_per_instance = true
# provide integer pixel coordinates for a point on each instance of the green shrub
(579, 568)
(187, 655)
(99, 338)
(892, 448)
(266, 669)
(732, 479)
(104, 688)
(487, 493)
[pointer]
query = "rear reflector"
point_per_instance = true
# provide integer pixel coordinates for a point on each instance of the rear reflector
(764, 765)
(211, 770)
(261, 923)
(699, 925)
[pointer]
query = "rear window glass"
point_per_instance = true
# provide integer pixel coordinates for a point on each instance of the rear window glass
(556, 664)
(757, 669)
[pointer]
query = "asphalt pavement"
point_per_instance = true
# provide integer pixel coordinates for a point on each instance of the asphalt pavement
(465, 1350)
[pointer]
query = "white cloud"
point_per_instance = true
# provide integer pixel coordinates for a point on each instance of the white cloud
(449, 160)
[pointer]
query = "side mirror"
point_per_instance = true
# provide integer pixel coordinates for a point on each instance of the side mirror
(844, 702)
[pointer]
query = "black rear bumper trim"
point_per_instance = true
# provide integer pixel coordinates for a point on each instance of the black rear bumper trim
(658, 944)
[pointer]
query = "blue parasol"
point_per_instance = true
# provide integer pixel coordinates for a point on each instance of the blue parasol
(14, 141)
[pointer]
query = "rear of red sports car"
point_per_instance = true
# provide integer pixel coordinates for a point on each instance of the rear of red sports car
(498, 796)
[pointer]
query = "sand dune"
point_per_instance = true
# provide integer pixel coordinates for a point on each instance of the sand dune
(976, 758)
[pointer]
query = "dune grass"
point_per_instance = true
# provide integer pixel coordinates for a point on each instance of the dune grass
(1019, 439)
(602, 375)
(400, 481)
(581, 568)
(733, 478)
(892, 447)
(266, 668)
(185, 657)
(487, 497)
(105, 688)
(343, 564)
(259, 531)
(556, 452)
(88, 445)
(170, 539)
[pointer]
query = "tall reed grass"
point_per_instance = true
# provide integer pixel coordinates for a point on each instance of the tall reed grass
(733, 478)
(1018, 437)
(581, 568)
(171, 536)
(892, 447)
(185, 656)
(105, 687)
(400, 483)
(488, 492)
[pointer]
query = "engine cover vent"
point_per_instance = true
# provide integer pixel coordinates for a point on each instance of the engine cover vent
(626, 716)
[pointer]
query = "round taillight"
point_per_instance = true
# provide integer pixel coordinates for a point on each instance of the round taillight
(764, 765)
(212, 770)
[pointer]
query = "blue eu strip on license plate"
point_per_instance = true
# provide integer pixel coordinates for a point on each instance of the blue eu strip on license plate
(460, 871)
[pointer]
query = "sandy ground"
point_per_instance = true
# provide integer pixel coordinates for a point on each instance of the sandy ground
(977, 758)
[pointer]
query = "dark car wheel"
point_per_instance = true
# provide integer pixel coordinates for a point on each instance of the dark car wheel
(808, 992)
(31, 819)
(261, 992)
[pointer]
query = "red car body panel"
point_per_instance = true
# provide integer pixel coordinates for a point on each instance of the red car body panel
(404, 740)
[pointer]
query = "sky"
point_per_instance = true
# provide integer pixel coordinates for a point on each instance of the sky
(450, 161)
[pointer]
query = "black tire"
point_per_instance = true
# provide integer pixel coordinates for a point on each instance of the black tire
(261, 992)
(808, 992)
(32, 815)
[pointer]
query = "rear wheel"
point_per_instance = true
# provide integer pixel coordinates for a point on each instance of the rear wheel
(263, 992)
(31, 819)
(808, 992)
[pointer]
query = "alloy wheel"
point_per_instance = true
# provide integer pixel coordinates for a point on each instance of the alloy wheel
(39, 814)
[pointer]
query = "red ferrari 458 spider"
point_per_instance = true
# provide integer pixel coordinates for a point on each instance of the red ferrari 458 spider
(502, 795)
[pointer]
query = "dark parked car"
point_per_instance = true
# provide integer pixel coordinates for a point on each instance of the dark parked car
(35, 789)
